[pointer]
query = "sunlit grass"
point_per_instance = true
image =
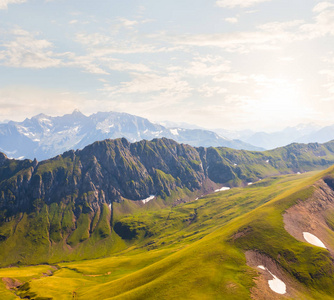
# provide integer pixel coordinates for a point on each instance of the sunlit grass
(188, 251)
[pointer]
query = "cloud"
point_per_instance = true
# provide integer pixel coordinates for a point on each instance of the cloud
(85, 62)
(207, 66)
(209, 91)
(232, 77)
(29, 101)
(93, 39)
(101, 45)
(98, 65)
(231, 20)
(269, 36)
(128, 23)
(120, 65)
(239, 3)
(4, 3)
(25, 51)
(329, 76)
(163, 86)
(323, 21)
(322, 6)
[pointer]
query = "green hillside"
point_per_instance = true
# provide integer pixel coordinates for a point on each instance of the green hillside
(69, 207)
(197, 250)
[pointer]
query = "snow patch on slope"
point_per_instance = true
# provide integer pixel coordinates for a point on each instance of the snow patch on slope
(151, 197)
(224, 188)
(312, 239)
(174, 131)
(276, 285)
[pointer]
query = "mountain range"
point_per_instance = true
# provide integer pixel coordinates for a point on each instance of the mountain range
(302, 133)
(43, 136)
(132, 220)
(67, 202)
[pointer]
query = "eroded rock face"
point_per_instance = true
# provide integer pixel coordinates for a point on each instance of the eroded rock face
(105, 171)
(313, 215)
(267, 270)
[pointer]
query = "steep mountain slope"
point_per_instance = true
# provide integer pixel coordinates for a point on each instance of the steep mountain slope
(229, 245)
(43, 137)
(64, 207)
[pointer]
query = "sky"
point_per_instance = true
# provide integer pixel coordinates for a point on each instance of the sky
(232, 64)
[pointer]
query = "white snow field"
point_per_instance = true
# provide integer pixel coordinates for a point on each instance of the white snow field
(151, 197)
(312, 239)
(276, 285)
(224, 188)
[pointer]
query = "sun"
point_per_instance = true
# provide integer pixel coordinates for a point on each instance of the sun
(278, 105)
(282, 99)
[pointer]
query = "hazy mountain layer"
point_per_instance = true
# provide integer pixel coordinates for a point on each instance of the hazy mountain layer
(43, 136)
(302, 133)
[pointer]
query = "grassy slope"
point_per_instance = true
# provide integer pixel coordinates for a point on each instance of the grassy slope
(52, 233)
(23, 274)
(189, 257)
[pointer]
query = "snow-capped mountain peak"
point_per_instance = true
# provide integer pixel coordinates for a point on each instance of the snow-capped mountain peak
(43, 136)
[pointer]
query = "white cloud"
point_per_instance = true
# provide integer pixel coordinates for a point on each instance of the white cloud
(170, 85)
(87, 63)
(231, 20)
(322, 6)
(102, 45)
(29, 101)
(323, 21)
(120, 65)
(4, 3)
(93, 39)
(239, 3)
(210, 91)
(231, 77)
(269, 36)
(25, 51)
(128, 23)
(207, 66)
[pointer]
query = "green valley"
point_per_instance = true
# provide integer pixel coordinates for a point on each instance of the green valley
(195, 250)
(63, 236)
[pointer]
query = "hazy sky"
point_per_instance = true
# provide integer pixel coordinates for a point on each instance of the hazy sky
(234, 64)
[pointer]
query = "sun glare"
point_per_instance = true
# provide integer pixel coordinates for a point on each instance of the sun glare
(279, 104)
(281, 99)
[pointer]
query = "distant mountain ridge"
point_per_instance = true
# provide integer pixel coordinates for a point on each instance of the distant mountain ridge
(43, 136)
(302, 133)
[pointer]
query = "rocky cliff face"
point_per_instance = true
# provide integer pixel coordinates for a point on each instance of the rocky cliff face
(106, 171)
(66, 203)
